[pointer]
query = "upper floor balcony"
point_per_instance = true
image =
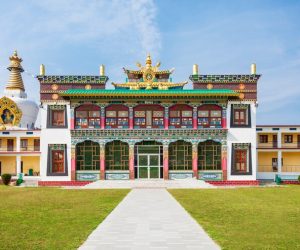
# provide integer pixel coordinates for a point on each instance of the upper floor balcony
(278, 141)
(15, 144)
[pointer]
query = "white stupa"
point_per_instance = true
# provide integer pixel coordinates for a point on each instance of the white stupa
(25, 114)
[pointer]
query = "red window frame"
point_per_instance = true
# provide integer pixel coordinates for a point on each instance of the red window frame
(241, 160)
(58, 161)
(118, 119)
(210, 119)
(181, 109)
(58, 117)
(263, 138)
(89, 119)
(239, 116)
(148, 108)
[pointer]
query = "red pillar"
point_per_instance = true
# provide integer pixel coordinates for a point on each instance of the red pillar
(102, 122)
(131, 161)
(102, 161)
(73, 169)
(166, 161)
(195, 160)
(72, 123)
(224, 118)
(195, 116)
(130, 117)
(224, 162)
(166, 119)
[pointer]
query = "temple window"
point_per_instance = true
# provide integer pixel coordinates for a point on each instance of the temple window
(180, 155)
(57, 116)
(116, 116)
(181, 116)
(24, 144)
(241, 159)
(209, 155)
(117, 156)
(263, 138)
(57, 160)
(288, 138)
(210, 116)
(87, 116)
(149, 116)
(87, 156)
(240, 115)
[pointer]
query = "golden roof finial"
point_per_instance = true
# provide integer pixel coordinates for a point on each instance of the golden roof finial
(15, 80)
(148, 61)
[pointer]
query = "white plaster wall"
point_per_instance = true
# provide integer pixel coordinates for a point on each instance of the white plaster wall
(242, 135)
(54, 136)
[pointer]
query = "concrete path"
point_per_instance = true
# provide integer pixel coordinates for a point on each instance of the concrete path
(149, 219)
(185, 183)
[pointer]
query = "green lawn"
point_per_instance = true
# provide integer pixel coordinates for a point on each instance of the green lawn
(52, 218)
(247, 218)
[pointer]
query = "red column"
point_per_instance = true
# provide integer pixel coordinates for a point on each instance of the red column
(130, 117)
(102, 122)
(195, 160)
(224, 162)
(166, 161)
(73, 164)
(224, 118)
(102, 161)
(131, 161)
(195, 115)
(72, 123)
(166, 119)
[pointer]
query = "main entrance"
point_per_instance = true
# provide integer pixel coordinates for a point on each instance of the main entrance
(148, 155)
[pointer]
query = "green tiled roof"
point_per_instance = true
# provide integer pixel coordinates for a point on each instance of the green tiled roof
(224, 78)
(73, 79)
(126, 92)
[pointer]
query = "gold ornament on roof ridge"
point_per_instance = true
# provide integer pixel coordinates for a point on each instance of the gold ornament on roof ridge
(149, 80)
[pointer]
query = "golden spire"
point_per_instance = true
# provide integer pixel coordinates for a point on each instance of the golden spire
(148, 61)
(15, 79)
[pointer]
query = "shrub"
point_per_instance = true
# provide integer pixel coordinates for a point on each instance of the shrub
(6, 178)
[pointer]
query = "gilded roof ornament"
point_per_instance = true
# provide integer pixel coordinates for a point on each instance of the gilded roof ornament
(15, 79)
(149, 77)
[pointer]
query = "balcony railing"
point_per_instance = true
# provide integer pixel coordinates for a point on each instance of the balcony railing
(22, 149)
(274, 145)
(290, 168)
(267, 168)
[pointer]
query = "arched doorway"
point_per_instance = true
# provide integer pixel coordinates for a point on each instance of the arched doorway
(87, 160)
(148, 160)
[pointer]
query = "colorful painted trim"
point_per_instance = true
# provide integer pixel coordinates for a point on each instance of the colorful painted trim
(224, 78)
(145, 93)
(73, 79)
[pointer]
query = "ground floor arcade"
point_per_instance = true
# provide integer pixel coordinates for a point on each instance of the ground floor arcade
(147, 159)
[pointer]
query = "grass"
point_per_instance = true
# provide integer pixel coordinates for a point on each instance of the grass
(52, 218)
(247, 218)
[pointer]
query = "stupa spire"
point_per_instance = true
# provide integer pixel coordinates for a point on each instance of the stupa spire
(15, 79)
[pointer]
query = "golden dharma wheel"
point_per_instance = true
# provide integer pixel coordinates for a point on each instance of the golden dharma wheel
(54, 86)
(88, 86)
(209, 86)
(55, 96)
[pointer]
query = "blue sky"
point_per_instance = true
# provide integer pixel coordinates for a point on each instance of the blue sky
(222, 37)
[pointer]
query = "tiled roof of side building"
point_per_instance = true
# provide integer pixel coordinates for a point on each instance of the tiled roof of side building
(116, 92)
(72, 79)
(224, 78)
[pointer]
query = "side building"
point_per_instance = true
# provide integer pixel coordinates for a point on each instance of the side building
(148, 126)
(19, 137)
(278, 151)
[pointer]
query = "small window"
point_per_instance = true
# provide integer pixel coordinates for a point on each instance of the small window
(288, 139)
(263, 138)
(240, 116)
(57, 117)
(57, 164)
(24, 144)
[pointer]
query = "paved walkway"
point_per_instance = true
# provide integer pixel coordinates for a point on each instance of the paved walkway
(185, 183)
(149, 219)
